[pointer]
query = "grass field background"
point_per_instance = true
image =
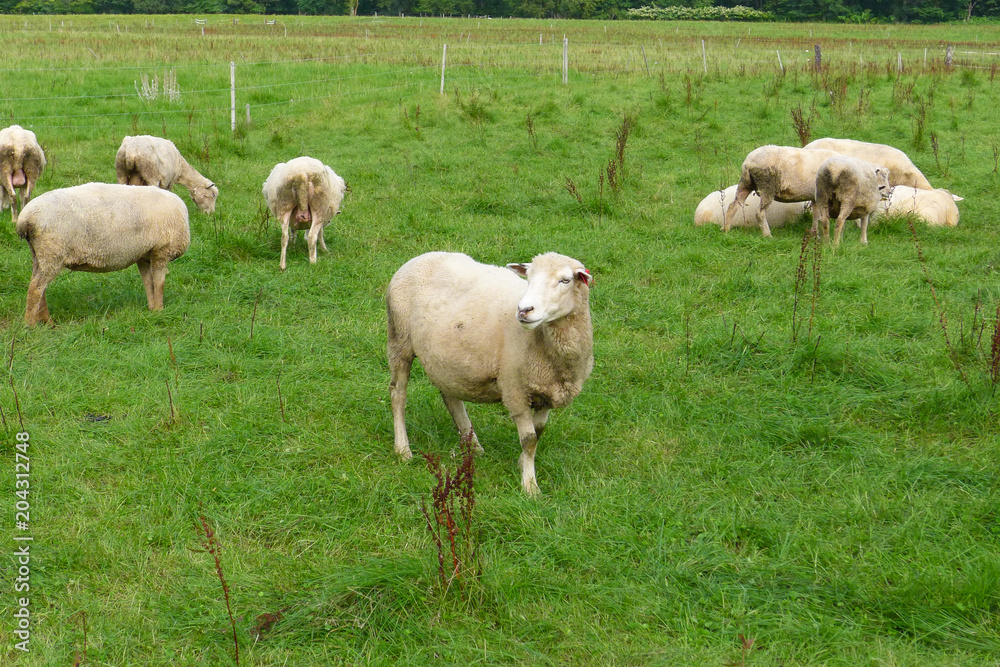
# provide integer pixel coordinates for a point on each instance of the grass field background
(832, 494)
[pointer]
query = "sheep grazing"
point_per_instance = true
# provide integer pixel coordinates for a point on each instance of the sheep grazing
(850, 189)
(146, 160)
(935, 207)
(101, 227)
(712, 210)
(484, 335)
(21, 164)
(901, 170)
(303, 194)
(776, 173)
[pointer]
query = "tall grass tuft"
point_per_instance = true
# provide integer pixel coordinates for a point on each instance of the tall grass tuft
(994, 361)
(812, 249)
(211, 545)
(450, 517)
(802, 122)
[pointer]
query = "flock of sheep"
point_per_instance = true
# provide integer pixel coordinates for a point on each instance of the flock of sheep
(482, 333)
(851, 180)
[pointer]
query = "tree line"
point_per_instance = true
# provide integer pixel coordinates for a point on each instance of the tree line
(854, 11)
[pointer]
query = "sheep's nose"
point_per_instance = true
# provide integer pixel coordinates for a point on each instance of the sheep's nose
(522, 313)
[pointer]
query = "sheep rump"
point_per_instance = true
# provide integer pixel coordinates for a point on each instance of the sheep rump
(776, 173)
(148, 160)
(303, 193)
(21, 165)
(484, 335)
(101, 227)
(848, 188)
(935, 207)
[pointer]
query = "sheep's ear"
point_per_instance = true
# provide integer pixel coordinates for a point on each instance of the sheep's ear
(584, 275)
(519, 269)
(957, 198)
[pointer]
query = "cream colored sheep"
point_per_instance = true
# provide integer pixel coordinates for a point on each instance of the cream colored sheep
(901, 170)
(776, 173)
(146, 160)
(712, 210)
(303, 194)
(935, 207)
(848, 188)
(21, 165)
(101, 227)
(484, 335)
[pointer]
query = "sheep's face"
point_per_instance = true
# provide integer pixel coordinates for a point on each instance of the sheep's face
(882, 179)
(205, 198)
(553, 281)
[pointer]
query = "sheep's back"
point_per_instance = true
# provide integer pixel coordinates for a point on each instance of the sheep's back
(105, 227)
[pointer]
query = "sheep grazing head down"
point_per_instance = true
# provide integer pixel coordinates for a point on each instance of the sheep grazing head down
(551, 293)
(204, 197)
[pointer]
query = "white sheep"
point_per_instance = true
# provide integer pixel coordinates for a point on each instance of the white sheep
(21, 165)
(935, 207)
(850, 189)
(101, 227)
(303, 194)
(901, 170)
(147, 160)
(776, 173)
(484, 335)
(712, 210)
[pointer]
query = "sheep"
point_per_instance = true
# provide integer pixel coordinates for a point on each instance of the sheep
(21, 164)
(102, 227)
(901, 170)
(484, 335)
(303, 193)
(776, 173)
(848, 188)
(712, 210)
(147, 160)
(935, 207)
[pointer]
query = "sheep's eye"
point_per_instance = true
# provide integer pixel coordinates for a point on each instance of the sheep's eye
(564, 281)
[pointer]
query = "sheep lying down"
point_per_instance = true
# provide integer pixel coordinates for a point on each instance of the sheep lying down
(101, 227)
(712, 210)
(483, 334)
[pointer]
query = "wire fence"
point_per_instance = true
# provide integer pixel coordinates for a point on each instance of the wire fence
(370, 60)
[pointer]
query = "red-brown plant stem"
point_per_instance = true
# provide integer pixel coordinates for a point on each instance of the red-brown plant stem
(212, 546)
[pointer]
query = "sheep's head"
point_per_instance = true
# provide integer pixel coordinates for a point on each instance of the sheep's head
(553, 281)
(204, 197)
(882, 179)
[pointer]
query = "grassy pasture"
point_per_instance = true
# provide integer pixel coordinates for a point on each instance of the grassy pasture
(832, 495)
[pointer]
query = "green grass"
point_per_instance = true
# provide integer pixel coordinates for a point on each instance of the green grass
(834, 498)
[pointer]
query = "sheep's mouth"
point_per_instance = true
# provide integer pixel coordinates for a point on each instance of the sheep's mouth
(527, 322)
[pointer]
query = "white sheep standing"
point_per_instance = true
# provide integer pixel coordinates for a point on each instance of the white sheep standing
(902, 171)
(776, 173)
(21, 165)
(712, 210)
(850, 189)
(147, 160)
(484, 335)
(102, 227)
(303, 193)
(935, 207)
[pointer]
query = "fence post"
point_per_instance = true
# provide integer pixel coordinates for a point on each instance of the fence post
(232, 92)
(779, 61)
(248, 113)
(565, 60)
(899, 61)
(444, 56)
(818, 62)
(704, 58)
(948, 53)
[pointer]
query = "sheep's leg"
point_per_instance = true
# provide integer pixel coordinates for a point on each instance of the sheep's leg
(147, 280)
(159, 270)
(37, 309)
(540, 419)
(529, 442)
(845, 210)
(864, 230)
(284, 238)
(322, 241)
(765, 201)
(315, 229)
(400, 363)
(462, 422)
(743, 191)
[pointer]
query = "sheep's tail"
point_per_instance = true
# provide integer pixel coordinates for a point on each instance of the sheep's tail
(303, 188)
(24, 228)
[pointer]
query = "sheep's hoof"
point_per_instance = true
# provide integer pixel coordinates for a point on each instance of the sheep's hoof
(531, 488)
(405, 454)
